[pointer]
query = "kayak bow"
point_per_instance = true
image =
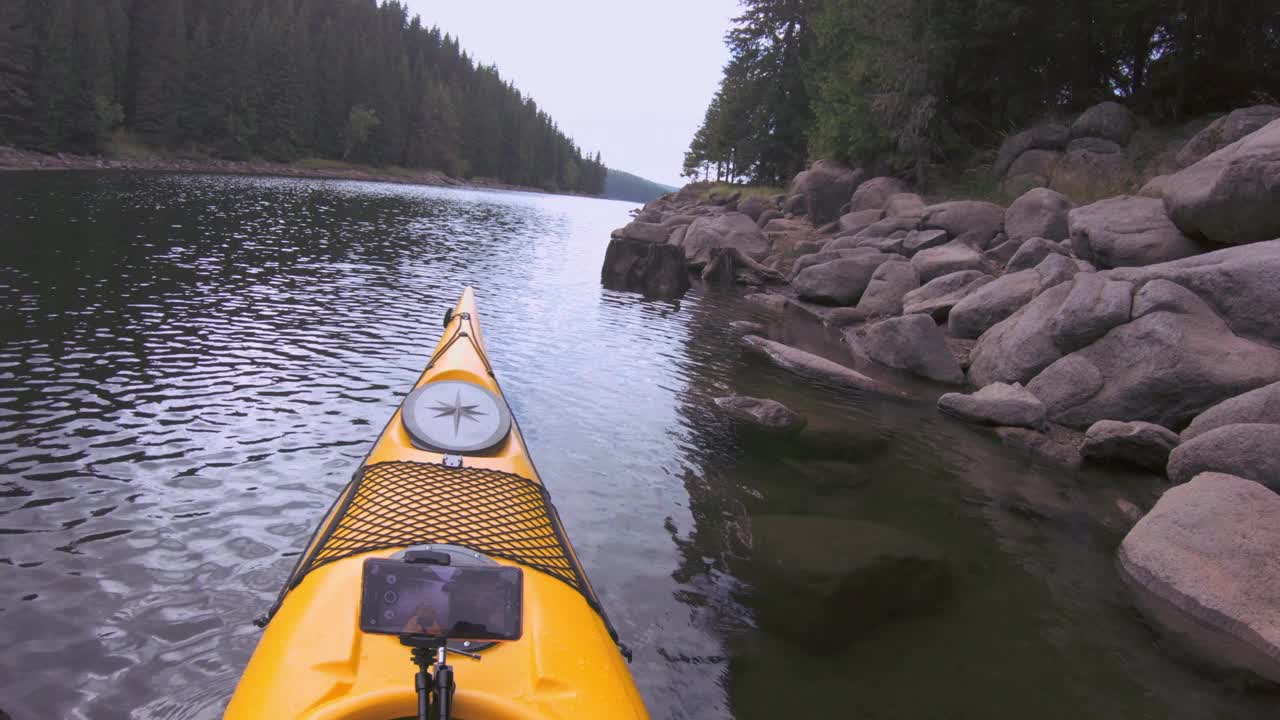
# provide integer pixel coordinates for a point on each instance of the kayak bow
(314, 663)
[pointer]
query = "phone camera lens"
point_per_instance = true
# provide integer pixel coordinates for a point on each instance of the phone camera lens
(389, 613)
(390, 597)
(391, 579)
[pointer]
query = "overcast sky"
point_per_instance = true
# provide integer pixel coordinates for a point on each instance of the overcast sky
(631, 80)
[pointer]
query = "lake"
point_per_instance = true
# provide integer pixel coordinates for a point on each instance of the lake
(191, 367)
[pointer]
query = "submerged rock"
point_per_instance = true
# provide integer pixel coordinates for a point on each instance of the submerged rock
(762, 414)
(833, 579)
(996, 404)
(813, 366)
(1202, 566)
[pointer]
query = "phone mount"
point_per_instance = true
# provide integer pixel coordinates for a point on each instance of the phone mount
(434, 680)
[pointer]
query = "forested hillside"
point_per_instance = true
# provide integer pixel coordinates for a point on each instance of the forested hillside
(903, 87)
(277, 79)
(619, 185)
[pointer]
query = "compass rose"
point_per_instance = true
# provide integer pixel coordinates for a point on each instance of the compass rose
(458, 411)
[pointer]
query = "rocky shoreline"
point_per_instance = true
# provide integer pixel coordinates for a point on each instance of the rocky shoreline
(1139, 329)
(14, 159)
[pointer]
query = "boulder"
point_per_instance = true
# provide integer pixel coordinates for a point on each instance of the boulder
(1256, 406)
(762, 414)
(834, 579)
(729, 265)
(996, 404)
(1142, 445)
(1173, 360)
(1040, 213)
(1202, 566)
(768, 216)
(826, 256)
(886, 227)
(889, 284)
(904, 206)
(1224, 131)
(651, 232)
(825, 187)
(794, 206)
(1033, 252)
(1032, 169)
(1017, 348)
(838, 282)
(814, 367)
(1232, 197)
(1127, 231)
(733, 230)
(913, 343)
(1247, 450)
(1108, 120)
(655, 269)
(953, 257)
(1044, 137)
(917, 240)
(677, 219)
(937, 297)
(1053, 444)
(1084, 174)
(784, 235)
(677, 235)
(983, 308)
(874, 194)
(1001, 252)
(851, 223)
(1241, 284)
(1094, 145)
(1091, 309)
(981, 220)
(1155, 187)
(753, 206)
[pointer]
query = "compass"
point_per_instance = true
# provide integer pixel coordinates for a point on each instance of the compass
(454, 416)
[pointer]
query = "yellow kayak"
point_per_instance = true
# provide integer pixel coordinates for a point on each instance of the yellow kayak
(486, 499)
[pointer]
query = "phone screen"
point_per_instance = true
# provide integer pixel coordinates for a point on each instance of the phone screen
(463, 602)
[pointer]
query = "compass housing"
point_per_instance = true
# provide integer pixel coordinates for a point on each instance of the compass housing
(454, 416)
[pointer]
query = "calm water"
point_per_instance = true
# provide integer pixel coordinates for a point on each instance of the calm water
(191, 367)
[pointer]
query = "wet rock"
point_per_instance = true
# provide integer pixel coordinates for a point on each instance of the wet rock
(762, 414)
(731, 230)
(953, 257)
(1224, 131)
(996, 404)
(1232, 197)
(825, 187)
(937, 297)
(1127, 231)
(1044, 137)
(1040, 213)
(904, 206)
(1092, 308)
(812, 366)
(1241, 284)
(746, 327)
(913, 343)
(1143, 445)
(833, 579)
(657, 270)
(1248, 450)
(1020, 346)
(889, 284)
(1256, 406)
(767, 301)
(838, 282)
(851, 223)
(1202, 566)
(1173, 360)
(1108, 120)
(982, 221)
(729, 265)
(1053, 444)
(874, 194)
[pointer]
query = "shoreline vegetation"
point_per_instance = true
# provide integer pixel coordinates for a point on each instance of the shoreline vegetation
(19, 160)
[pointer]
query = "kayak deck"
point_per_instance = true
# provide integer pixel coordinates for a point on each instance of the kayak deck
(312, 660)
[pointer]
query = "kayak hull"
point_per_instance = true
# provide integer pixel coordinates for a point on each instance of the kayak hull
(313, 662)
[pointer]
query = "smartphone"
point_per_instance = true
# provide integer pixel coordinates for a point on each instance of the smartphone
(459, 602)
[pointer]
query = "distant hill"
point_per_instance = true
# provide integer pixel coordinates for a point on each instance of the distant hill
(620, 185)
